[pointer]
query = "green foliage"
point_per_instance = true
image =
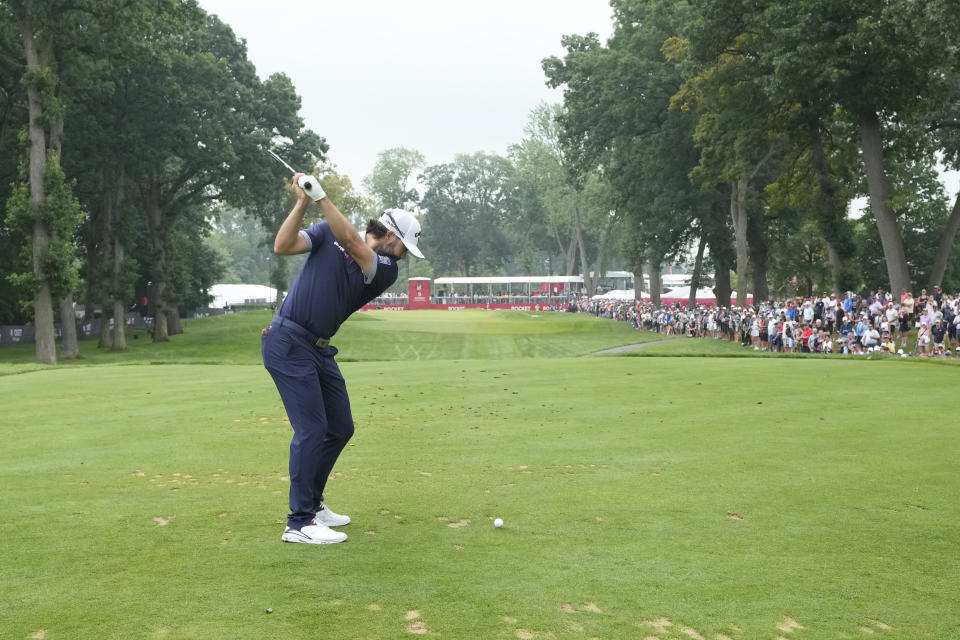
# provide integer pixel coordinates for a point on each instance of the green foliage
(466, 205)
(392, 182)
(244, 247)
(60, 213)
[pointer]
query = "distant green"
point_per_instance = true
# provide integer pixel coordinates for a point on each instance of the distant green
(643, 497)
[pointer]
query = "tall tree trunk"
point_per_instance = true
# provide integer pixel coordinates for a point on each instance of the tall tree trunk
(590, 277)
(656, 283)
(118, 341)
(946, 245)
(697, 268)
(591, 271)
(38, 52)
(836, 267)
(173, 322)
(570, 256)
(158, 270)
(831, 213)
(757, 240)
(638, 285)
(738, 215)
(69, 348)
(278, 277)
(103, 342)
(115, 240)
(721, 279)
(871, 141)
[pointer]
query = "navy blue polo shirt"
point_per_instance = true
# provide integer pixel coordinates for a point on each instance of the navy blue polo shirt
(331, 285)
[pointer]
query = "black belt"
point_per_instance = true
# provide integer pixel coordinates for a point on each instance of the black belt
(306, 333)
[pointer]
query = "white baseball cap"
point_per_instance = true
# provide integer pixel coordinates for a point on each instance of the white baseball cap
(405, 225)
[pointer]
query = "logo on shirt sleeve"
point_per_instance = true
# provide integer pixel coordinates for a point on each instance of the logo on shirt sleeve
(383, 259)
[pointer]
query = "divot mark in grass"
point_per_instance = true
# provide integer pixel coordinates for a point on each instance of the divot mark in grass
(592, 608)
(425, 474)
(39, 634)
(883, 626)
(443, 518)
(867, 630)
(370, 533)
(411, 615)
(509, 620)
(384, 512)
(373, 607)
(161, 521)
(458, 547)
(660, 625)
(417, 628)
(523, 634)
(567, 608)
(789, 625)
(138, 473)
(691, 633)
(734, 516)
(457, 525)
(917, 506)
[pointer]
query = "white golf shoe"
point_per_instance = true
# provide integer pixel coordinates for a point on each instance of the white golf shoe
(313, 533)
(329, 518)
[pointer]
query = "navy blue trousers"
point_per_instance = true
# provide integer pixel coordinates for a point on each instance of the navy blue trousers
(315, 397)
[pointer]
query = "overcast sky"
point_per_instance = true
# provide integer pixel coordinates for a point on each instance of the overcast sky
(439, 76)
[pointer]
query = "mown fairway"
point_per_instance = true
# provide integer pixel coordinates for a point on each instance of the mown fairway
(643, 497)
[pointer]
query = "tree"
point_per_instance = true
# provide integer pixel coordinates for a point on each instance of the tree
(51, 206)
(575, 214)
(617, 122)
(392, 183)
(242, 244)
(13, 118)
(208, 137)
(466, 204)
(879, 65)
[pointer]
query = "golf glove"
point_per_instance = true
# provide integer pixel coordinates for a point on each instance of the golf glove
(311, 186)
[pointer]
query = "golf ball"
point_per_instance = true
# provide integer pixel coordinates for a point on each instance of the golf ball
(498, 523)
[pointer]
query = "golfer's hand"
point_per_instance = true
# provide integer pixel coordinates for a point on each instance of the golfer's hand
(308, 187)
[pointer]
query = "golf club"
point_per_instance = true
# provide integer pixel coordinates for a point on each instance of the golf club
(306, 182)
(281, 161)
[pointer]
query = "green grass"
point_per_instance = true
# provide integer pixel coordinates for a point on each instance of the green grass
(373, 335)
(724, 495)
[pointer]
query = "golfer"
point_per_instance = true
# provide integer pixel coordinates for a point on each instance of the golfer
(344, 271)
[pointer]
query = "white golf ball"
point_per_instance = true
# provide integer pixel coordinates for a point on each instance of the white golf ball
(498, 523)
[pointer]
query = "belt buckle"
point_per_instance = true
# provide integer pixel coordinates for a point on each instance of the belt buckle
(322, 342)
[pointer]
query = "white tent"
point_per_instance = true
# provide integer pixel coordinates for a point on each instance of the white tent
(683, 293)
(232, 294)
(620, 294)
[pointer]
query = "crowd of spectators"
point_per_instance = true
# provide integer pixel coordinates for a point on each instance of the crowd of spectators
(925, 325)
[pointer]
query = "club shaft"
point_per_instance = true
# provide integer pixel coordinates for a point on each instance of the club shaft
(282, 161)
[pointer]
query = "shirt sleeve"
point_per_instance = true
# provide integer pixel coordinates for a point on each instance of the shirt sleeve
(314, 235)
(383, 274)
(368, 280)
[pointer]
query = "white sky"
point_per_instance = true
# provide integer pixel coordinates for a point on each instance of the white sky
(439, 76)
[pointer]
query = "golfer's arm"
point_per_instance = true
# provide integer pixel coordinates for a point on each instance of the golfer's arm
(346, 234)
(289, 241)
